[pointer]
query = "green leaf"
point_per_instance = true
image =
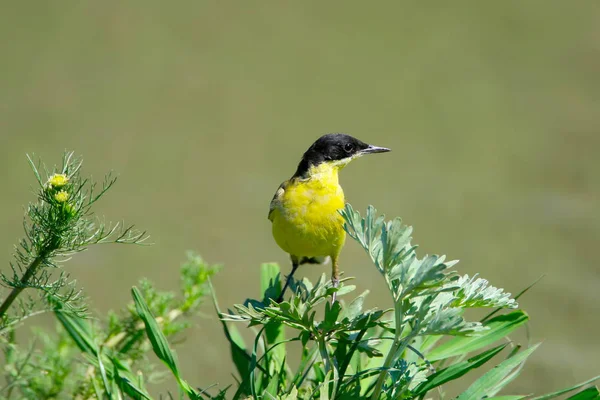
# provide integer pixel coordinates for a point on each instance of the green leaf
(306, 363)
(339, 291)
(103, 375)
(395, 242)
(270, 283)
(449, 321)
(276, 380)
(159, 342)
(563, 391)
(332, 313)
(590, 393)
(125, 381)
(513, 397)
(495, 379)
(270, 286)
(365, 231)
(80, 332)
(293, 395)
(251, 381)
(418, 274)
(355, 307)
(319, 373)
(499, 327)
(239, 355)
(476, 292)
(324, 387)
(428, 342)
(457, 370)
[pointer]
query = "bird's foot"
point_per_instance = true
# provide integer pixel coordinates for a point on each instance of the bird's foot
(335, 283)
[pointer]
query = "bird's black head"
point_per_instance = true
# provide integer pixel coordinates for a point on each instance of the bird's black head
(335, 148)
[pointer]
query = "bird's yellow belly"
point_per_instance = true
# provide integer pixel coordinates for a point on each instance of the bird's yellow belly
(306, 222)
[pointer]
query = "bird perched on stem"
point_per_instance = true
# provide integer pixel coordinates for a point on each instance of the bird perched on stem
(304, 210)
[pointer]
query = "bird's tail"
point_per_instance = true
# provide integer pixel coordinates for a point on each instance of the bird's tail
(314, 260)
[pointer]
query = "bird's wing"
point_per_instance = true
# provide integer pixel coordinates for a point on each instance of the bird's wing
(276, 198)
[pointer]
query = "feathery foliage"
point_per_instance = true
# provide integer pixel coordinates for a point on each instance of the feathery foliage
(59, 224)
(351, 353)
(407, 351)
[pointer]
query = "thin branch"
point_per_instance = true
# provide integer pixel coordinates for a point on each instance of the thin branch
(29, 273)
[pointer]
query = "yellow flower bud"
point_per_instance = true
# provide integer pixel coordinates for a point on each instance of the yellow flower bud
(70, 210)
(57, 181)
(61, 196)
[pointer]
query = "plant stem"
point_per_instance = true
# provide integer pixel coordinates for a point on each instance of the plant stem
(329, 367)
(324, 355)
(31, 269)
(386, 365)
(348, 359)
(394, 349)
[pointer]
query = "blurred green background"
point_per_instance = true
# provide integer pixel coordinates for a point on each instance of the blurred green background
(492, 110)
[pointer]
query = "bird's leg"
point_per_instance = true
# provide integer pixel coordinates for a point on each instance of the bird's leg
(335, 277)
(295, 265)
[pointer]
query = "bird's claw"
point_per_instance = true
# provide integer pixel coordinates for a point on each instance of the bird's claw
(335, 283)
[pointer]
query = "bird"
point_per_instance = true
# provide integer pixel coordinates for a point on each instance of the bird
(304, 211)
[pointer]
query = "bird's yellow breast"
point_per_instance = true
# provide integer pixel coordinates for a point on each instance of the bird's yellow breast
(304, 212)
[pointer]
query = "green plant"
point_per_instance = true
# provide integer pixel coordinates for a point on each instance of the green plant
(58, 225)
(105, 357)
(351, 353)
(408, 351)
(101, 357)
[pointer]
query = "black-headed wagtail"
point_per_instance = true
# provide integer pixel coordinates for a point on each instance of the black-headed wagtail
(305, 209)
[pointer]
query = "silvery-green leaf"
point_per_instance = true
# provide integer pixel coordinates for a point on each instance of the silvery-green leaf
(476, 292)
(449, 321)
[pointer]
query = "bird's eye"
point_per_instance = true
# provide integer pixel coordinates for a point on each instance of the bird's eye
(348, 147)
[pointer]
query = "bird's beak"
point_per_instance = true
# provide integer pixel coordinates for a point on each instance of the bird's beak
(374, 149)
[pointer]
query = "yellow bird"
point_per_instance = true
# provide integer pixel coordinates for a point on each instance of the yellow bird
(304, 210)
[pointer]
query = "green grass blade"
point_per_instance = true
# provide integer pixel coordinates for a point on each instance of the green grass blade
(237, 347)
(276, 381)
(239, 355)
(493, 381)
(97, 390)
(80, 332)
(293, 395)
(561, 392)
(456, 371)
(428, 342)
(270, 286)
(126, 382)
(254, 363)
(306, 364)
(348, 357)
(270, 283)
(159, 342)
(103, 375)
(499, 327)
(590, 393)
(270, 349)
(513, 397)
